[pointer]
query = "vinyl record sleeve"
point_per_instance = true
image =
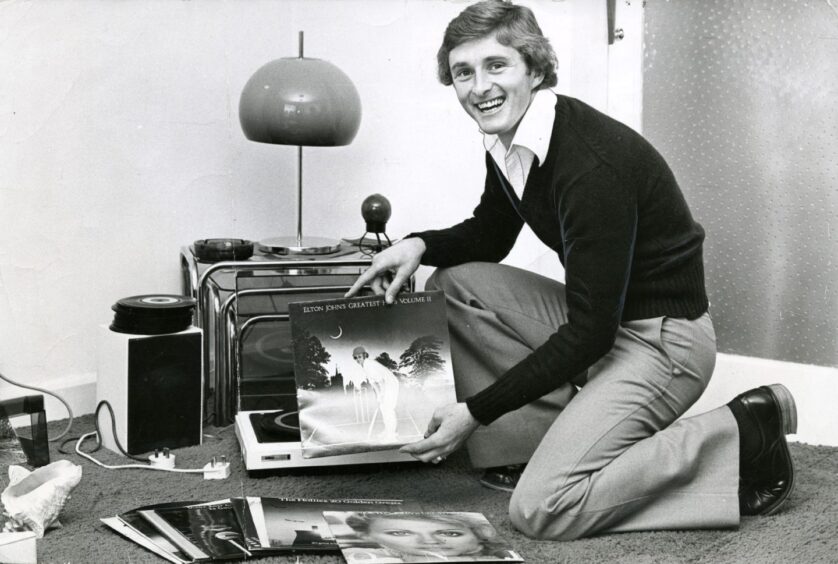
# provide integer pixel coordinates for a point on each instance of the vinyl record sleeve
(204, 532)
(158, 544)
(134, 526)
(369, 375)
(297, 525)
(248, 525)
(375, 537)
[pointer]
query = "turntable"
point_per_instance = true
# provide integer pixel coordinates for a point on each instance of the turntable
(270, 440)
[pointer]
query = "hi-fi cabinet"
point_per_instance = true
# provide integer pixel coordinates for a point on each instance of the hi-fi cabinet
(242, 307)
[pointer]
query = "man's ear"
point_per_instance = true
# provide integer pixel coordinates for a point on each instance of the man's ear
(537, 79)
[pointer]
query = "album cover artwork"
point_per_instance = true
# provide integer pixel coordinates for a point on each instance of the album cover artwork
(369, 375)
(126, 530)
(143, 527)
(204, 532)
(375, 537)
(298, 524)
(135, 527)
(250, 534)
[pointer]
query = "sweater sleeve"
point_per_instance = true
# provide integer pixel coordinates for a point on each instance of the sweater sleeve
(599, 223)
(487, 236)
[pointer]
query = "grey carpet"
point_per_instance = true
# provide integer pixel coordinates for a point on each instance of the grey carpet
(804, 532)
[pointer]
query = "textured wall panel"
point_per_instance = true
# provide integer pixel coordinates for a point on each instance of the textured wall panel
(741, 97)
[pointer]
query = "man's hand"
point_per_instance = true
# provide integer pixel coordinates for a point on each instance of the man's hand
(449, 428)
(401, 260)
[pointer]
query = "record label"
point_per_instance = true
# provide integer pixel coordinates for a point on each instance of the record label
(159, 300)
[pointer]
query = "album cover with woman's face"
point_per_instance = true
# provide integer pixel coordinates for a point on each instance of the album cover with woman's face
(369, 375)
(376, 537)
(297, 525)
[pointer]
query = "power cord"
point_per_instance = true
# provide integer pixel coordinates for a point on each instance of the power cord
(98, 431)
(214, 470)
(125, 466)
(53, 394)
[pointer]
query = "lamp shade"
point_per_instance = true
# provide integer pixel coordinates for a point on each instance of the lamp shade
(300, 101)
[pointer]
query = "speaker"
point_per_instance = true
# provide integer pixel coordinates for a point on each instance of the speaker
(153, 383)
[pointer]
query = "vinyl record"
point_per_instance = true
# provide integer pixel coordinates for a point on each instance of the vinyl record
(288, 421)
(156, 302)
(270, 348)
(152, 314)
(281, 424)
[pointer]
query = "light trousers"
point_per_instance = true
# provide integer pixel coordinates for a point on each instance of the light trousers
(611, 456)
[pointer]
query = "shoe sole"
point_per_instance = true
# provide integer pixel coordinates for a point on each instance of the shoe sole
(492, 486)
(788, 409)
(788, 423)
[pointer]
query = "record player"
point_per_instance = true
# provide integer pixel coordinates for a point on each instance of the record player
(266, 419)
(270, 440)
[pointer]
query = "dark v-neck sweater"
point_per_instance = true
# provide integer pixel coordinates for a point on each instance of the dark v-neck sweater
(605, 200)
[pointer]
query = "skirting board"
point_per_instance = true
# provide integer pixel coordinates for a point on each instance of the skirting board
(78, 391)
(813, 387)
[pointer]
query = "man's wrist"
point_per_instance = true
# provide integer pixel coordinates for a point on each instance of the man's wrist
(415, 239)
(470, 412)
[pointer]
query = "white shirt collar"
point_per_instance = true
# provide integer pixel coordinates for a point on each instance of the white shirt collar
(535, 128)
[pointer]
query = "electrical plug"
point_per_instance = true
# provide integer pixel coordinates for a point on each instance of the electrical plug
(162, 460)
(217, 469)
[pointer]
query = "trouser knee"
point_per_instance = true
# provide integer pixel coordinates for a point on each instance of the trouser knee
(529, 513)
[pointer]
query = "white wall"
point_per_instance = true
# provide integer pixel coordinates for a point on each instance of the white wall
(120, 142)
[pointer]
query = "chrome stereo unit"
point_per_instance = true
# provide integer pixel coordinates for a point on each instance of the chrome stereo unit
(242, 307)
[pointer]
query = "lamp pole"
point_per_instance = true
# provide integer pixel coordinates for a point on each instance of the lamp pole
(300, 172)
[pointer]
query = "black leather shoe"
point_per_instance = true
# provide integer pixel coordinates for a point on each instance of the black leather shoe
(766, 477)
(503, 478)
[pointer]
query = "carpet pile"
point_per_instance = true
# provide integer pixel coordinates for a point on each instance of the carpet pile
(805, 531)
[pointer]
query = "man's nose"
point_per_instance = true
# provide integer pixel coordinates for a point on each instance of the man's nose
(482, 83)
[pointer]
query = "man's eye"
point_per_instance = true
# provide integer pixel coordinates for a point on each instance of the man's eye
(462, 74)
(496, 66)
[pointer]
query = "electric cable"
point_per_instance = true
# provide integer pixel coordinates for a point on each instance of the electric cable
(97, 433)
(53, 394)
(125, 466)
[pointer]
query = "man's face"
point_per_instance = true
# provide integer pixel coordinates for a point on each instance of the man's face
(493, 84)
(359, 358)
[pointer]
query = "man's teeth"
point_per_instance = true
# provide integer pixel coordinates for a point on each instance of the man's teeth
(490, 104)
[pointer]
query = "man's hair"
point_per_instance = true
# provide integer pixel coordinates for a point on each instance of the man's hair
(513, 26)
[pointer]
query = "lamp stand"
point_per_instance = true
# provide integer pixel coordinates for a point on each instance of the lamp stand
(299, 245)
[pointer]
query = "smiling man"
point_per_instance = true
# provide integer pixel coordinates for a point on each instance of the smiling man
(570, 394)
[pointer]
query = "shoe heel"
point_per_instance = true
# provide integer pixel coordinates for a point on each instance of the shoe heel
(788, 409)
